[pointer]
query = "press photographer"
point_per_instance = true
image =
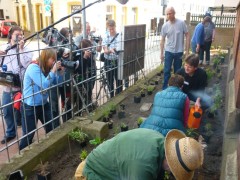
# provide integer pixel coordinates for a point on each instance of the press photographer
(16, 64)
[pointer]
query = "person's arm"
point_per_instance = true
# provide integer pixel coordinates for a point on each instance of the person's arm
(213, 34)
(187, 43)
(186, 112)
(162, 42)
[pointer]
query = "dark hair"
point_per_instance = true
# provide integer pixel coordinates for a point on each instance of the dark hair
(85, 43)
(176, 80)
(64, 31)
(192, 60)
(12, 29)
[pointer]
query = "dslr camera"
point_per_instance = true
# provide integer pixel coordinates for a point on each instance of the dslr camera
(65, 61)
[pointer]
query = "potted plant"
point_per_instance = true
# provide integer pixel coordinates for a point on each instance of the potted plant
(83, 155)
(43, 172)
(106, 115)
(139, 121)
(78, 136)
(124, 127)
(142, 93)
(150, 89)
(110, 124)
(96, 141)
(137, 97)
(113, 109)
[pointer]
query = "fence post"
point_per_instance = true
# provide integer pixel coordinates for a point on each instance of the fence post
(188, 16)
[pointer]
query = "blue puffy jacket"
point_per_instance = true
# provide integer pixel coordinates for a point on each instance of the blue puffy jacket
(167, 111)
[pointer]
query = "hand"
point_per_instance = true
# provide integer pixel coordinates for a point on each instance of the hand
(21, 44)
(2, 52)
(198, 102)
(162, 58)
(65, 55)
(56, 66)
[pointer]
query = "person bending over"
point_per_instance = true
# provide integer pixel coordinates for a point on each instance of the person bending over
(39, 76)
(170, 108)
(143, 154)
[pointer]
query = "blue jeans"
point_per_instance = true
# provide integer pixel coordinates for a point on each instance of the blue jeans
(8, 113)
(111, 68)
(207, 47)
(33, 113)
(177, 64)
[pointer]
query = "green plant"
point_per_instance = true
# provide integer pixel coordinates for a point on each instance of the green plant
(112, 107)
(106, 113)
(150, 88)
(83, 155)
(216, 61)
(192, 132)
(123, 125)
(166, 175)
(78, 135)
(208, 129)
(96, 141)
(140, 120)
(210, 73)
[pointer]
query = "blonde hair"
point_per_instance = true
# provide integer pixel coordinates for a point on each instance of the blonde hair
(45, 55)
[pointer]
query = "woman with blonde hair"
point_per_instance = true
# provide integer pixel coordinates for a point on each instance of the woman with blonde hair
(39, 76)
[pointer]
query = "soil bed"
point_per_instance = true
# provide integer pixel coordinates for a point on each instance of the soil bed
(63, 165)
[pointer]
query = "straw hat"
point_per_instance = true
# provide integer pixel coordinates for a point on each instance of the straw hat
(183, 154)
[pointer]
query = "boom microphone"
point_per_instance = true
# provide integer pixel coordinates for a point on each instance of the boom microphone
(122, 1)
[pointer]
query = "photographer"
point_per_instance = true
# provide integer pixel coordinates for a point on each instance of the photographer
(96, 47)
(110, 48)
(84, 74)
(17, 65)
(40, 75)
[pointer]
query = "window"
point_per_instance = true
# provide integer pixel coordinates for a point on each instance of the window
(110, 12)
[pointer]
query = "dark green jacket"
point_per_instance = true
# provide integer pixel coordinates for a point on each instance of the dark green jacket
(133, 155)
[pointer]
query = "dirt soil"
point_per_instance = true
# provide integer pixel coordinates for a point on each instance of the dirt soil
(63, 166)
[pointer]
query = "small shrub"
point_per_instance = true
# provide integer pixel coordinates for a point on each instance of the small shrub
(83, 155)
(96, 141)
(78, 135)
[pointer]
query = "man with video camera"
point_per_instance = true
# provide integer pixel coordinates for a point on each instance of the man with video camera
(16, 64)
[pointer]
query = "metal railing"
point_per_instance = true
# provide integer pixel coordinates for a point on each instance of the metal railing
(77, 95)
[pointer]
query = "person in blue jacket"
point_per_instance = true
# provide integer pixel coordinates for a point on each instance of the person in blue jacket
(39, 76)
(170, 108)
(197, 41)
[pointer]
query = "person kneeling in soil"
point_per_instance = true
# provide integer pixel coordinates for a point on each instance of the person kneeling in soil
(195, 82)
(170, 108)
(127, 156)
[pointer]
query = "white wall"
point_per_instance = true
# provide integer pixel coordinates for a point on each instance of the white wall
(8, 8)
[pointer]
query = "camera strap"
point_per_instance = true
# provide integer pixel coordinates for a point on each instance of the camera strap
(112, 39)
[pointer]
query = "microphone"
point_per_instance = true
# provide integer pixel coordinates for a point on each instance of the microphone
(122, 1)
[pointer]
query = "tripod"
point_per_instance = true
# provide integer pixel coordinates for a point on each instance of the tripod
(104, 83)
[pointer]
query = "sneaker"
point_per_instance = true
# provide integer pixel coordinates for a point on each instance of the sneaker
(200, 62)
(7, 139)
(207, 62)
